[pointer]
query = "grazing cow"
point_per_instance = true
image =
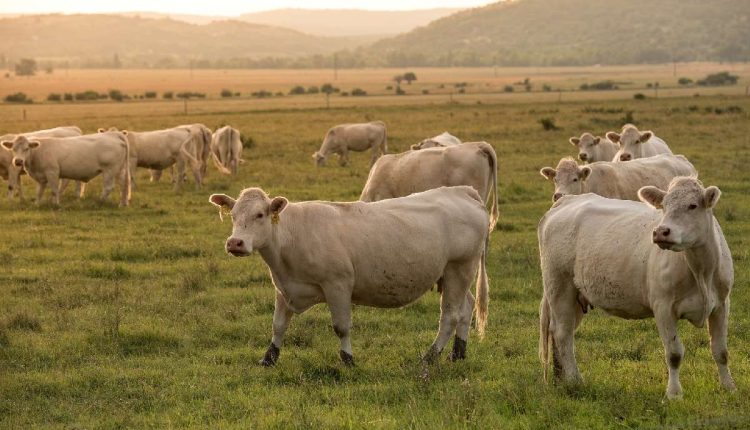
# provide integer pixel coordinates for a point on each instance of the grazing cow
(441, 140)
(398, 175)
(79, 158)
(385, 254)
(616, 180)
(202, 143)
(10, 172)
(593, 148)
(353, 137)
(226, 150)
(667, 259)
(635, 144)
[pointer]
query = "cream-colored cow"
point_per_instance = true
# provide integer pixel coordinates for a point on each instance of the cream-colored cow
(666, 260)
(616, 180)
(442, 140)
(226, 150)
(353, 137)
(471, 163)
(385, 254)
(594, 148)
(635, 144)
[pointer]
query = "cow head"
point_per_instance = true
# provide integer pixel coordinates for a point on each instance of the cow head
(568, 177)
(687, 212)
(21, 148)
(320, 159)
(427, 143)
(631, 142)
(254, 216)
(586, 145)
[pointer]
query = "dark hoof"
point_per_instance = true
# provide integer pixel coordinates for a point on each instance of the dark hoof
(459, 349)
(271, 356)
(431, 355)
(347, 358)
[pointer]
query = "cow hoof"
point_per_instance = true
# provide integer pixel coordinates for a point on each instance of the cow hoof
(271, 356)
(347, 358)
(459, 349)
(431, 355)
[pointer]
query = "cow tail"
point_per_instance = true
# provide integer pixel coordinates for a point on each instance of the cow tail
(218, 164)
(492, 186)
(186, 153)
(128, 185)
(483, 290)
(544, 336)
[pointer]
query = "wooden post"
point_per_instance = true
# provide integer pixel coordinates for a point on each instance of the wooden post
(24, 114)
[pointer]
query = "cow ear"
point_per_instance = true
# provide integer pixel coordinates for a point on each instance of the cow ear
(584, 172)
(711, 197)
(100, 130)
(645, 136)
(125, 132)
(7, 144)
(278, 204)
(652, 195)
(597, 139)
(613, 137)
(574, 141)
(415, 146)
(548, 173)
(315, 155)
(222, 201)
(33, 144)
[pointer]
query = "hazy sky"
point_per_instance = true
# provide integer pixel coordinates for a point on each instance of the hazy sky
(219, 7)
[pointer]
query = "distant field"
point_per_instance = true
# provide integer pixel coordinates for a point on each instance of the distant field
(136, 318)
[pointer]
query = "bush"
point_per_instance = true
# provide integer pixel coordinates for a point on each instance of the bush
(150, 94)
(639, 96)
(247, 141)
(54, 97)
(279, 94)
(358, 92)
(584, 86)
(328, 89)
(167, 95)
(299, 89)
(17, 98)
(116, 95)
(508, 88)
(345, 93)
(548, 124)
(425, 91)
(389, 87)
(718, 79)
(685, 81)
(546, 88)
(313, 90)
(68, 97)
(261, 94)
(190, 95)
(649, 85)
(225, 93)
(87, 95)
(461, 90)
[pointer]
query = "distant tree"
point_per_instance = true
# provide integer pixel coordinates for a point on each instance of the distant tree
(328, 89)
(718, 79)
(167, 95)
(226, 93)
(409, 77)
(398, 79)
(150, 94)
(54, 97)
(313, 90)
(359, 92)
(26, 67)
(18, 98)
(299, 89)
(684, 81)
(116, 95)
(508, 88)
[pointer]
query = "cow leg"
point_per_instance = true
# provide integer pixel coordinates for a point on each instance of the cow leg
(197, 176)
(454, 285)
(80, 189)
(54, 186)
(375, 155)
(108, 179)
(340, 304)
(462, 329)
(344, 158)
(63, 185)
(717, 328)
(282, 316)
(40, 191)
(565, 314)
(156, 175)
(666, 323)
(180, 174)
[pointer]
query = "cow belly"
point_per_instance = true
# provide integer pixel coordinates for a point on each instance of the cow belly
(620, 297)
(390, 287)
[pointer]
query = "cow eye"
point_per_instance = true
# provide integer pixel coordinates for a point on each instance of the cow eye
(575, 179)
(692, 206)
(259, 216)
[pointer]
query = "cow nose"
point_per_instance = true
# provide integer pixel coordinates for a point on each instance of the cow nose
(625, 157)
(661, 232)
(18, 162)
(556, 197)
(583, 156)
(235, 244)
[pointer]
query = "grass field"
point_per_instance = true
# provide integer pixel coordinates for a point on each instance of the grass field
(136, 317)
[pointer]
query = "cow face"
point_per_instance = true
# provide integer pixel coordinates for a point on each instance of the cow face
(687, 213)
(320, 159)
(587, 146)
(254, 216)
(631, 143)
(21, 148)
(568, 178)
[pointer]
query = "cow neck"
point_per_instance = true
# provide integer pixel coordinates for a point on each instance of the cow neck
(703, 262)
(272, 252)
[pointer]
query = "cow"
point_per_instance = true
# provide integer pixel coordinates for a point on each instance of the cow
(202, 142)
(226, 150)
(384, 254)
(442, 140)
(80, 158)
(593, 148)
(666, 259)
(472, 163)
(636, 144)
(353, 137)
(616, 180)
(12, 173)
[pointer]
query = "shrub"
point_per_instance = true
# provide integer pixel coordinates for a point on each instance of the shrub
(247, 141)
(17, 98)
(190, 94)
(425, 91)
(68, 97)
(546, 88)
(299, 89)
(345, 93)
(461, 90)
(400, 92)
(358, 92)
(684, 81)
(116, 95)
(279, 94)
(584, 86)
(508, 88)
(328, 89)
(261, 94)
(226, 93)
(313, 90)
(150, 94)
(639, 96)
(548, 124)
(389, 87)
(54, 97)
(167, 95)
(718, 79)
(409, 77)
(87, 95)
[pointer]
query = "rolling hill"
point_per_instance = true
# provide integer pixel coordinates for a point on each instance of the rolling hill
(577, 32)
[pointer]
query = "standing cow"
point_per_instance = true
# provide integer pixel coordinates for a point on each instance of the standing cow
(398, 175)
(353, 137)
(616, 180)
(226, 149)
(79, 158)
(385, 254)
(635, 144)
(442, 140)
(666, 260)
(593, 148)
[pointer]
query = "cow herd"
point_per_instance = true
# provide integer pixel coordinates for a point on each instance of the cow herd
(631, 231)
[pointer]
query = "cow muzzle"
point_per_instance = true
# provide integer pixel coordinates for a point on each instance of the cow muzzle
(237, 247)
(18, 162)
(583, 156)
(626, 157)
(557, 196)
(663, 238)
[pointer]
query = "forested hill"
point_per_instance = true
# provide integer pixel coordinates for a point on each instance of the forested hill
(577, 32)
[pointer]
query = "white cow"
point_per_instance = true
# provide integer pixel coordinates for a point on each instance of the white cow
(593, 148)
(442, 140)
(226, 149)
(635, 144)
(12, 173)
(79, 158)
(384, 254)
(202, 148)
(398, 175)
(353, 137)
(666, 260)
(616, 180)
